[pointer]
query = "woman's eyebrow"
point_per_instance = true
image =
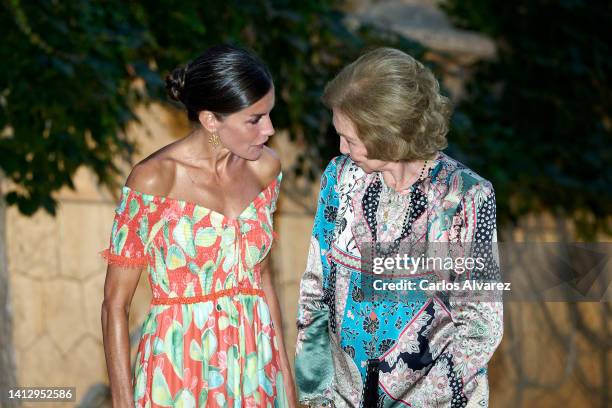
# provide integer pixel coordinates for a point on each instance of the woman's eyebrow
(263, 114)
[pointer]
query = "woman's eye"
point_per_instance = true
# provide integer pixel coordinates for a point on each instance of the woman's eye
(254, 121)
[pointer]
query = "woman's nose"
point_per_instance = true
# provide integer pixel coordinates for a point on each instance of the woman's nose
(344, 147)
(268, 128)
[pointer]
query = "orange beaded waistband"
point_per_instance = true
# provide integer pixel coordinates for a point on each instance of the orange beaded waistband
(208, 297)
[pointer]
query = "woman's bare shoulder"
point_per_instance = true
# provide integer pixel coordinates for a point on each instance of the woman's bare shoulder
(153, 175)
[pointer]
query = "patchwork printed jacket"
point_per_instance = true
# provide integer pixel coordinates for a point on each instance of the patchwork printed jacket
(427, 349)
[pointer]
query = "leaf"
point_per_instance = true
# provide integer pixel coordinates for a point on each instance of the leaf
(223, 323)
(143, 230)
(150, 324)
(141, 382)
(199, 212)
(206, 237)
(265, 383)
(215, 379)
(263, 311)
(233, 371)
(250, 379)
(175, 258)
(161, 392)
(134, 207)
(159, 276)
(183, 235)
(120, 238)
(156, 228)
(221, 402)
(173, 347)
(216, 221)
(250, 213)
(147, 352)
(264, 348)
(229, 280)
(195, 351)
(228, 237)
(158, 346)
(187, 312)
(253, 256)
(227, 305)
(201, 313)
(207, 273)
(124, 200)
(194, 268)
(184, 399)
(209, 344)
(249, 306)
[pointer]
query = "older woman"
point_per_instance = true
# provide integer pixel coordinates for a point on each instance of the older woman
(358, 345)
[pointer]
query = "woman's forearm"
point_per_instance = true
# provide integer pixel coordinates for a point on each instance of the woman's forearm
(277, 319)
(116, 340)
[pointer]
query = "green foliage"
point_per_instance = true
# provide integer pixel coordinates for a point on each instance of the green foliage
(67, 93)
(537, 120)
(68, 86)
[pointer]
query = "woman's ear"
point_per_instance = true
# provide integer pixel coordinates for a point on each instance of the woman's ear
(209, 121)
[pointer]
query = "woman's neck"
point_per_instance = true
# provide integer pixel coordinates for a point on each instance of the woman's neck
(400, 176)
(201, 153)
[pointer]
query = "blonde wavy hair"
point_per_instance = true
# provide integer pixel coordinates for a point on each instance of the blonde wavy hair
(394, 102)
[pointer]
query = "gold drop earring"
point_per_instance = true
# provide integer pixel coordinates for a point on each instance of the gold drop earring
(213, 139)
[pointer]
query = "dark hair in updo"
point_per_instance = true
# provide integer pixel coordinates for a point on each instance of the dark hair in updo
(223, 80)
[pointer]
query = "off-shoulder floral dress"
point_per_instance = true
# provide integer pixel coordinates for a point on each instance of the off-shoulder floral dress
(208, 339)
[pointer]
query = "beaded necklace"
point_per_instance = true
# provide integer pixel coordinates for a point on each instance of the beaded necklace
(391, 200)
